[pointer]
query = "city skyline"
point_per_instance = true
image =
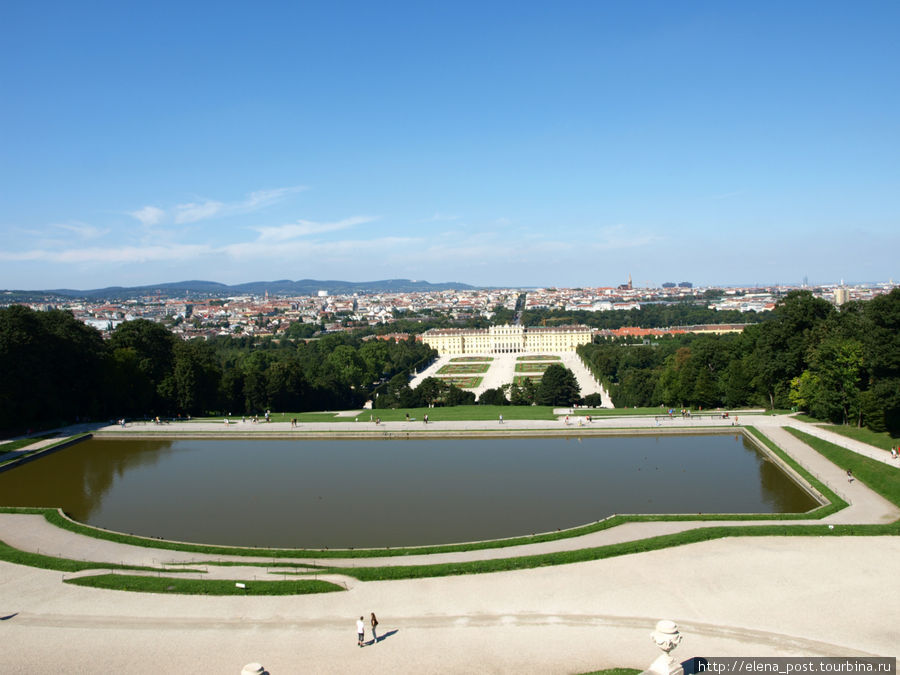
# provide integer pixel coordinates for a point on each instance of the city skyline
(501, 146)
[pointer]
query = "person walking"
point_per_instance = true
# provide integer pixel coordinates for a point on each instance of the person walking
(360, 631)
(374, 623)
(849, 475)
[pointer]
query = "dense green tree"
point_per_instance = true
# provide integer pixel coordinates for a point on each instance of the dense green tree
(782, 344)
(493, 397)
(458, 396)
(558, 387)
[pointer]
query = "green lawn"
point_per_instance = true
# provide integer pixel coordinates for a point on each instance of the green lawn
(882, 478)
(22, 442)
(881, 440)
(142, 584)
(471, 359)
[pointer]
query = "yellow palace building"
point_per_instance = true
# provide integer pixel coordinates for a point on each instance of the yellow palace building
(507, 339)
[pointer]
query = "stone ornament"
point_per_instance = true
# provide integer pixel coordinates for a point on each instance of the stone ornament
(666, 637)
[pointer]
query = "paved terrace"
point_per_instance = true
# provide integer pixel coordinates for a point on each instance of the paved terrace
(762, 596)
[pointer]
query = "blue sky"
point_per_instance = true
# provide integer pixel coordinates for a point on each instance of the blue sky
(490, 143)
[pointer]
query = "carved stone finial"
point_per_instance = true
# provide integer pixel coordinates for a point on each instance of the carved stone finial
(666, 637)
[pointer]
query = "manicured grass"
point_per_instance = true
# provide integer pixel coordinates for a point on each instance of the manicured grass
(463, 382)
(472, 359)
(462, 413)
(142, 584)
(49, 562)
(22, 442)
(63, 440)
(532, 367)
(836, 503)
(463, 369)
(455, 413)
(539, 357)
(882, 478)
(803, 417)
(615, 671)
(876, 439)
(601, 552)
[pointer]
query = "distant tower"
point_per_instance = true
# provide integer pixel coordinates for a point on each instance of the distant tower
(630, 287)
(841, 294)
(267, 295)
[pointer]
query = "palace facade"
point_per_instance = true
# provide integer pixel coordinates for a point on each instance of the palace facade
(507, 339)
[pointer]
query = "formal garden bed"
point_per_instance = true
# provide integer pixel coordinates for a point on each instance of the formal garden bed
(539, 357)
(532, 367)
(520, 379)
(471, 359)
(463, 368)
(463, 382)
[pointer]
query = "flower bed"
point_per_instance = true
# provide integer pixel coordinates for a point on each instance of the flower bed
(464, 368)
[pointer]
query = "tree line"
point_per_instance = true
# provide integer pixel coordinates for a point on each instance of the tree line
(686, 313)
(837, 365)
(58, 370)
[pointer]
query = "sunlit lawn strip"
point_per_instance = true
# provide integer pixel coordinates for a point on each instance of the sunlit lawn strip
(693, 536)
(539, 357)
(142, 584)
(880, 477)
(876, 439)
(49, 562)
(471, 359)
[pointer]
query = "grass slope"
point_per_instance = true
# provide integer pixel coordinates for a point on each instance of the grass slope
(142, 584)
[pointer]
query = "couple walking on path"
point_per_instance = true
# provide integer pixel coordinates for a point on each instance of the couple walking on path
(361, 630)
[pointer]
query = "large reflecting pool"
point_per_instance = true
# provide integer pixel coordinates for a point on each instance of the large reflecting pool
(388, 493)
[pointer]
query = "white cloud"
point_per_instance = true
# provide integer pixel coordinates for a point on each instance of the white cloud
(195, 211)
(121, 254)
(191, 213)
(83, 230)
(304, 228)
(346, 251)
(149, 215)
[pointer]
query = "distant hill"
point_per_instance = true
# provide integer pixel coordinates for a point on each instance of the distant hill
(212, 288)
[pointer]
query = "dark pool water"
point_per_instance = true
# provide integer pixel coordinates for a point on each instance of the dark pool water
(356, 493)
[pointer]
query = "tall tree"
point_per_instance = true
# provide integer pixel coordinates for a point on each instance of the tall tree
(558, 387)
